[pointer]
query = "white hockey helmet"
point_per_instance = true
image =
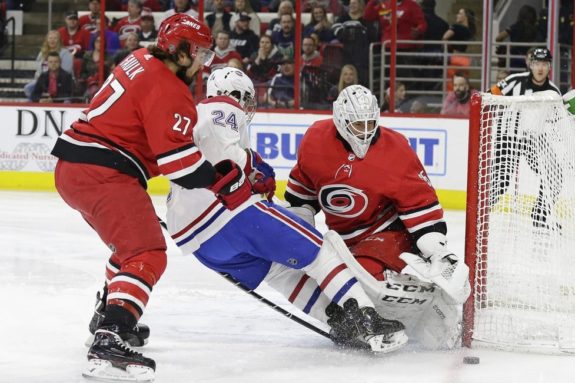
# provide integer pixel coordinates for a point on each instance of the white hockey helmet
(356, 103)
(234, 83)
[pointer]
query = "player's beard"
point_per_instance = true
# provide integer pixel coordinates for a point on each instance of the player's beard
(182, 74)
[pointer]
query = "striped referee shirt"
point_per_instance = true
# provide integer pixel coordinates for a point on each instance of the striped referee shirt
(521, 84)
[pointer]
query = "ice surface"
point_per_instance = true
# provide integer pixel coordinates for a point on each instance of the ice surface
(203, 328)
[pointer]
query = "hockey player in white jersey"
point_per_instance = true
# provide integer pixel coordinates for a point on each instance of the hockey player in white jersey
(252, 239)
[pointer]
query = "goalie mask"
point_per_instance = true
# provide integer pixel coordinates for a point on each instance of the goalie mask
(356, 117)
(236, 84)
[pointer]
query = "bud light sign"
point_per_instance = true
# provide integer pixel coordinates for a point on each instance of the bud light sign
(430, 146)
(278, 144)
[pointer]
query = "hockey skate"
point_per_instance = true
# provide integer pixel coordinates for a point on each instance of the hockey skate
(364, 328)
(109, 359)
(136, 337)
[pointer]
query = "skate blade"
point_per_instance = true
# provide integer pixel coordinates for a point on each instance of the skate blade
(103, 371)
(90, 340)
(387, 343)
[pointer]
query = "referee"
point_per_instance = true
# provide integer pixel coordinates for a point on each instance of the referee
(509, 146)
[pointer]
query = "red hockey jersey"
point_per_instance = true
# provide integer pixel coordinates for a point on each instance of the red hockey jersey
(77, 43)
(140, 122)
(125, 26)
(360, 197)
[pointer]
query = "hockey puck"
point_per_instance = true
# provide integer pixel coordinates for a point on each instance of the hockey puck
(470, 360)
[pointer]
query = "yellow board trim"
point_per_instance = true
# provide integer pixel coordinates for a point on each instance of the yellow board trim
(449, 199)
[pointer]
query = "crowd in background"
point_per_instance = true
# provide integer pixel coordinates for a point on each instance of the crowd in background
(335, 48)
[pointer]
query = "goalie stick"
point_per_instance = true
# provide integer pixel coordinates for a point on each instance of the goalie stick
(264, 300)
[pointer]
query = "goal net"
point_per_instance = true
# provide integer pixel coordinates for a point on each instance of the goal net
(520, 230)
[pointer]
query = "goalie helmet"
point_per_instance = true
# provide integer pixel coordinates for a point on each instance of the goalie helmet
(234, 83)
(356, 103)
(182, 28)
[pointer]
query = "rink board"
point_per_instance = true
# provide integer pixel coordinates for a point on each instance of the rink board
(29, 131)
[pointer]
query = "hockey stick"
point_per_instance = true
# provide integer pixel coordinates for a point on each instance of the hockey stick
(264, 300)
(274, 306)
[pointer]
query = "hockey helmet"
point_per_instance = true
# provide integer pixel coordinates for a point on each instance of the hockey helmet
(355, 104)
(181, 27)
(234, 83)
(541, 54)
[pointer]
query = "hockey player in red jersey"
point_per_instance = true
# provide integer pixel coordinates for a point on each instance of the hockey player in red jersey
(375, 193)
(138, 126)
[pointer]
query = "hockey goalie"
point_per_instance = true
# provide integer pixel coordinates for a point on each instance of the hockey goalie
(375, 194)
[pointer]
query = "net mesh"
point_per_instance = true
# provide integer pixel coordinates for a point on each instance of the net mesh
(525, 245)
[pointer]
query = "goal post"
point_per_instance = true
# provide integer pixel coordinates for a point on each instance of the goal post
(520, 224)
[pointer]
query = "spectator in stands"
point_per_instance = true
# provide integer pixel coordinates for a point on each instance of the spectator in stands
(88, 83)
(219, 20)
(52, 43)
(411, 23)
(112, 40)
(319, 24)
(310, 55)
(131, 43)
(284, 39)
(73, 37)
(336, 7)
(565, 27)
(524, 30)
(401, 101)
(244, 6)
(130, 23)
(211, 6)
(348, 76)
(436, 28)
(55, 84)
(356, 33)
(148, 30)
(275, 5)
(457, 102)
(418, 106)
(183, 6)
(90, 21)
(224, 52)
(263, 64)
(285, 8)
(236, 63)
(462, 30)
(281, 92)
(315, 37)
(243, 39)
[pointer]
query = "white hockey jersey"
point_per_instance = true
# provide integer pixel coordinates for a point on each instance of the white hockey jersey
(221, 133)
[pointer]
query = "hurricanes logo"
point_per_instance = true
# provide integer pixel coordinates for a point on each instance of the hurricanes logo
(342, 200)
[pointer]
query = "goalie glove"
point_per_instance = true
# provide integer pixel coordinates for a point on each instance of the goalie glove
(441, 266)
(231, 186)
(260, 174)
